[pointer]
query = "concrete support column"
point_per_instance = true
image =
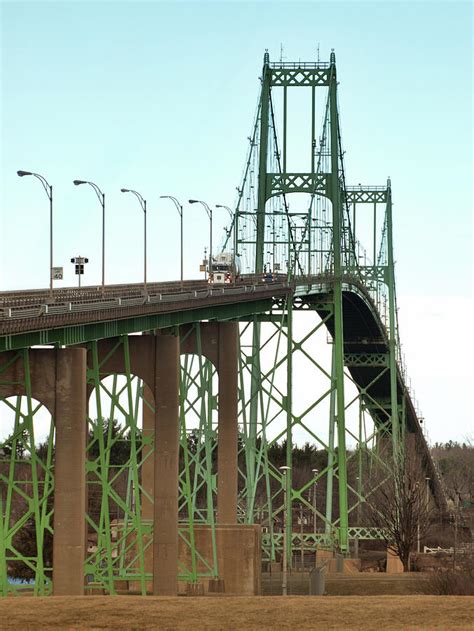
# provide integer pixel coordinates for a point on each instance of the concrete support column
(69, 471)
(227, 447)
(165, 515)
(148, 471)
(148, 464)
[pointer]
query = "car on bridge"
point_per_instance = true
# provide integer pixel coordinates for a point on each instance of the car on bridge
(268, 276)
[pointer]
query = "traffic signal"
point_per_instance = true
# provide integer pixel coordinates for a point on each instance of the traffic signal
(79, 262)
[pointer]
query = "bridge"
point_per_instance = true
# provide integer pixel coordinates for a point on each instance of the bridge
(195, 383)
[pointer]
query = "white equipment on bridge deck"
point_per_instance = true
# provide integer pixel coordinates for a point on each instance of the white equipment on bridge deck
(225, 269)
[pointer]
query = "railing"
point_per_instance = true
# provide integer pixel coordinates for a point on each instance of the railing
(104, 303)
(380, 189)
(31, 296)
(303, 65)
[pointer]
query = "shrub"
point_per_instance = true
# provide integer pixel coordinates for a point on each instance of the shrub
(458, 582)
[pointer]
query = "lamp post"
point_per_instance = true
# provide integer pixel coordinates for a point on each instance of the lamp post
(356, 541)
(234, 228)
(49, 192)
(284, 480)
(180, 211)
(209, 214)
(302, 536)
(315, 486)
(143, 205)
(101, 197)
(231, 216)
(426, 508)
(417, 486)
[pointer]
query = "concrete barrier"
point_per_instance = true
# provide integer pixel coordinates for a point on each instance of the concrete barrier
(394, 564)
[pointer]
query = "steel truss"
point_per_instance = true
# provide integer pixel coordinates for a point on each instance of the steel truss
(26, 484)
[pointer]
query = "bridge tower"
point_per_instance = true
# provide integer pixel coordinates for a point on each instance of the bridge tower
(322, 179)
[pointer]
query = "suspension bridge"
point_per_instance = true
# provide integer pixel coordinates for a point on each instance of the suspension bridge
(205, 379)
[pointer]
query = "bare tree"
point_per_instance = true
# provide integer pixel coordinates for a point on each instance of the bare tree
(456, 464)
(397, 503)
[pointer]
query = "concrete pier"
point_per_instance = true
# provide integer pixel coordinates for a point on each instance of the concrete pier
(227, 447)
(165, 514)
(148, 428)
(69, 472)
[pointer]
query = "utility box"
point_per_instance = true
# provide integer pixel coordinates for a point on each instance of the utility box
(317, 581)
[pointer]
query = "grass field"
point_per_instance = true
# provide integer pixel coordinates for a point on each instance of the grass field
(228, 613)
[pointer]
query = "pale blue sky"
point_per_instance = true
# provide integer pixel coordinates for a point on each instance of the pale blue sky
(160, 96)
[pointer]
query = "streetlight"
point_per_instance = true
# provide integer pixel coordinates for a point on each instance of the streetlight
(143, 205)
(101, 197)
(231, 216)
(234, 227)
(180, 211)
(315, 486)
(49, 192)
(284, 481)
(209, 214)
(356, 550)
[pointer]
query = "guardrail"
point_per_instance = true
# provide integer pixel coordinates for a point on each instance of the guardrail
(76, 294)
(19, 312)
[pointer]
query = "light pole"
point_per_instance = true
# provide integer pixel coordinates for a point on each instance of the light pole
(301, 536)
(49, 192)
(418, 493)
(234, 228)
(143, 205)
(426, 509)
(356, 542)
(284, 480)
(180, 211)
(231, 216)
(209, 214)
(101, 197)
(315, 486)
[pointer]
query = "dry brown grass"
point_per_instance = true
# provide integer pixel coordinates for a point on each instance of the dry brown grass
(228, 613)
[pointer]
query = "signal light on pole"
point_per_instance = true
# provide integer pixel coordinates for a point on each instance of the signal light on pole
(79, 262)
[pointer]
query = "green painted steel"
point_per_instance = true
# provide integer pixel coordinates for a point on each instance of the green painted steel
(338, 316)
(262, 172)
(356, 401)
(80, 334)
(26, 490)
